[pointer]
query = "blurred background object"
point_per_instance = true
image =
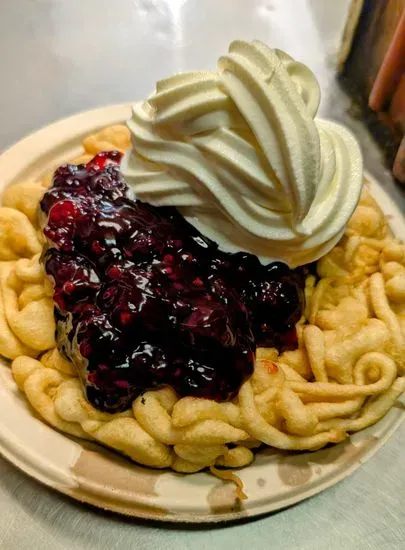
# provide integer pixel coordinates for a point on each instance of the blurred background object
(372, 66)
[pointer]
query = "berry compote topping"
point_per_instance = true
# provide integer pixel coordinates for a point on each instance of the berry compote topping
(143, 300)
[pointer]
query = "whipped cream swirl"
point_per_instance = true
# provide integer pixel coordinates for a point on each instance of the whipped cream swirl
(240, 153)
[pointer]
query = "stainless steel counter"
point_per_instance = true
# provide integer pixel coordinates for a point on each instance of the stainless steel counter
(58, 57)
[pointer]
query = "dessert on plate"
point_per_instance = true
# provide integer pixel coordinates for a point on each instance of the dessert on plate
(212, 278)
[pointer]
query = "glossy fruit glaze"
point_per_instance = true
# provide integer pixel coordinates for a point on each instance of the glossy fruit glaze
(143, 300)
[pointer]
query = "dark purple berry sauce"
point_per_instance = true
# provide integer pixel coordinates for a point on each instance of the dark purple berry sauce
(143, 300)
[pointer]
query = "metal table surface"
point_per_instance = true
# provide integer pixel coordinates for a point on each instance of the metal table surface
(58, 57)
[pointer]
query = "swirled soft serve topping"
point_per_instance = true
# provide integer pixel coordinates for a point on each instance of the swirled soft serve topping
(240, 153)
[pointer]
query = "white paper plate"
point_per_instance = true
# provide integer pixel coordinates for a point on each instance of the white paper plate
(94, 475)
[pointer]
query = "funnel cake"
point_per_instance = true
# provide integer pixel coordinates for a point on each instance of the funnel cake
(343, 373)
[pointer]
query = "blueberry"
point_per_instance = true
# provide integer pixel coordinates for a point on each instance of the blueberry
(144, 300)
